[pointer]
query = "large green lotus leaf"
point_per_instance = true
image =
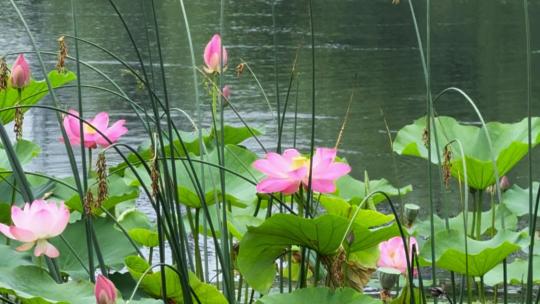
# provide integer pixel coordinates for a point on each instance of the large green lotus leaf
(25, 150)
(133, 218)
(516, 273)
(11, 258)
(482, 255)
(354, 190)
(232, 136)
(456, 223)
(151, 283)
(145, 237)
(238, 224)
(371, 227)
(262, 245)
(510, 144)
(33, 285)
(125, 284)
(325, 295)
(113, 244)
(364, 218)
(31, 94)
(516, 199)
(118, 191)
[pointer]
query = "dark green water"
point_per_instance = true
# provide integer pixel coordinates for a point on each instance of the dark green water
(368, 46)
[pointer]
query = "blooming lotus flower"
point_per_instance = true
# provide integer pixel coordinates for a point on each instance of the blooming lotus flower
(393, 253)
(325, 171)
(91, 137)
(20, 73)
(105, 291)
(36, 223)
(212, 55)
(284, 172)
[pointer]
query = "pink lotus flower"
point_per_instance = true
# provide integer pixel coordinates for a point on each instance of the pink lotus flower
(105, 291)
(36, 223)
(393, 253)
(325, 171)
(91, 137)
(285, 172)
(20, 73)
(212, 55)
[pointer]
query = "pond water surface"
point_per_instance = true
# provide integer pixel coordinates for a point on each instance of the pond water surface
(368, 46)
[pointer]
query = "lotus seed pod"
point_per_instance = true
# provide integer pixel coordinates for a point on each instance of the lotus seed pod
(388, 277)
(410, 213)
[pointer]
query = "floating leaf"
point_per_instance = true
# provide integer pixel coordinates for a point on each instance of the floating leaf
(510, 144)
(319, 295)
(482, 255)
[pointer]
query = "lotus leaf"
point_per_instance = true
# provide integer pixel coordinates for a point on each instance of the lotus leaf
(510, 145)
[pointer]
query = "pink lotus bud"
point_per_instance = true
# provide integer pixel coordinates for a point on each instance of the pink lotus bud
(20, 73)
(212, 55)
(504, 183)
(226, 92)
(105, 291)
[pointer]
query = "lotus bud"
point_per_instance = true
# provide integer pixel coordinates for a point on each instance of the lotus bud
(20, 73)
(504, 183)
(212, 55)
(4, 74)
(388, 277)
(226, 93)
(410, 213)
(105, 291)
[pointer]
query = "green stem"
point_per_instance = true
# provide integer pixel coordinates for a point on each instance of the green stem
(479, 215)
(474, 204)
(198, 260)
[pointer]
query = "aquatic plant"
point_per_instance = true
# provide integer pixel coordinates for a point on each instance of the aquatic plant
(222, 224)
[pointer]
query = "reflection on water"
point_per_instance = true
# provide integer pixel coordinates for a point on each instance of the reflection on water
(366, 46)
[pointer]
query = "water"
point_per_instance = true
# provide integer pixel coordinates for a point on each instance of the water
(366, 46)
